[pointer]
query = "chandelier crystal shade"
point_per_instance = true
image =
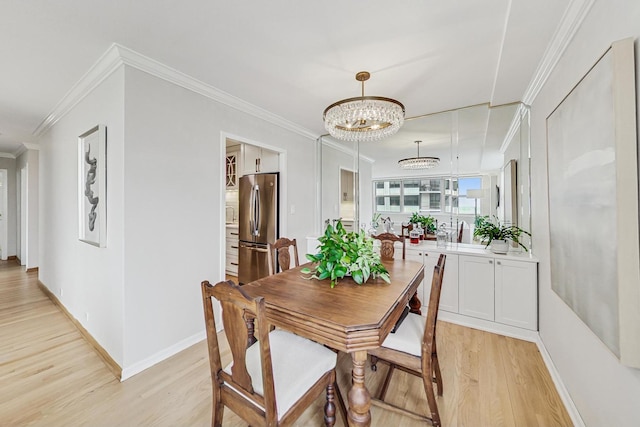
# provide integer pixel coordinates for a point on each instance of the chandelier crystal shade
(419, 162)
(363, 119)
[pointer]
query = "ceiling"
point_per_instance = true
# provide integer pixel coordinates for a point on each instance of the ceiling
(292, 58)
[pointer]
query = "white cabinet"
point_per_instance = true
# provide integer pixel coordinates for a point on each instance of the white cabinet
(256, 160)
(476, 287)
(480, 289)
(516, 299)
(232, 164)
(449, 292)
(499, 290)
(231, 264)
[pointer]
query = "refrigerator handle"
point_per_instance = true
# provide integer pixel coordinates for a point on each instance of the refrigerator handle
(252, 225)
(257, 211)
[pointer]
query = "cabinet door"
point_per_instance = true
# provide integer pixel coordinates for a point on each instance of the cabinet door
(269, 161)
(258, 160)
(516, 297)
(449, 292)
(232, 171)
(417, 257)
(476, 286)
(250, 154)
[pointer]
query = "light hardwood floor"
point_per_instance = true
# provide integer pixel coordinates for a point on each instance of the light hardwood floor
(49, 376)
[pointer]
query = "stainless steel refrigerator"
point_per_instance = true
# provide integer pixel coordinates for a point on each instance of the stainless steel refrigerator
(258, 224)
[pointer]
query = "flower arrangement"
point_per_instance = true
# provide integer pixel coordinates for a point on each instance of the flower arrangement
(343, 253)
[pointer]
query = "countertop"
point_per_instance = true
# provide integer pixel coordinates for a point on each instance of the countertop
(471, 249)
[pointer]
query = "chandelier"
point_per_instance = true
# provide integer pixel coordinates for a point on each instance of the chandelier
(366, 118)
(419, 162)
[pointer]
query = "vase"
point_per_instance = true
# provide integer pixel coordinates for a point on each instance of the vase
(499, 246)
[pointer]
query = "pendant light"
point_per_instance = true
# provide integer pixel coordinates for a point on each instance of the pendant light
(419, 162)
(366, 118)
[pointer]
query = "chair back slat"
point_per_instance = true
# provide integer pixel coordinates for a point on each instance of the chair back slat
(428, 339)
(280, 255)
(387, 248)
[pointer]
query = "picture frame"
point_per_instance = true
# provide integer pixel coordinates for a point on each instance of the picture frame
(593, 202)
(92, 186)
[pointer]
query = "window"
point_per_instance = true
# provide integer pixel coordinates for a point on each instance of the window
(469, 204)
(426, 195)
(387, 196)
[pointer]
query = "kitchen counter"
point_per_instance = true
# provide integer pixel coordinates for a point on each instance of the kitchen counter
(451, 248)
(473, 250)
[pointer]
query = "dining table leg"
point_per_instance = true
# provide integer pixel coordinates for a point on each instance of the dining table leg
(359, 397)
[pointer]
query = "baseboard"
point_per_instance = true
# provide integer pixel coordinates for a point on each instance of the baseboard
(32, 270)
(488, 326)
(12, 258)
(562, 390)
(162, 355)
(111, 364)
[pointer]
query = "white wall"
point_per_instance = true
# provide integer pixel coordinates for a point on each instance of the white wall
(140, 296)
(173, 226)
(86, 279)
(30, 160)
(605, 392)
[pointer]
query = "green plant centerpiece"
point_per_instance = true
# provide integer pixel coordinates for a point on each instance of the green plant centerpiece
(488, 231)
(427, 222)
(343, 254)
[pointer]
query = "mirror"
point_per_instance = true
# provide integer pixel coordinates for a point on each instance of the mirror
(484, 166)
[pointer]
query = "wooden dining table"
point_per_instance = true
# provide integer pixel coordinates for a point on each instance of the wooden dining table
(349, 317)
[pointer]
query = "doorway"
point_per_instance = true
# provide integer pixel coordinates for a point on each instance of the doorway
(4, 241)
(23, 215)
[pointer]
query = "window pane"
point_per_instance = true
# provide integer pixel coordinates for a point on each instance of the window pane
(411, 202)
(468, 205)
(431, 185)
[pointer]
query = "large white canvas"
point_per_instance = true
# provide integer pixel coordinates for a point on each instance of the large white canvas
(593, 202)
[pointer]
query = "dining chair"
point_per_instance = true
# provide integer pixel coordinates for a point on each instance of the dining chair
(387, 241)
(269, 382)
(280, 255)
(405, 230)
(412, 348)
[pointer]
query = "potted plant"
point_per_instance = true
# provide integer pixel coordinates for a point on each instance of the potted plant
(343, 254)
(428, 223)
(498, 235)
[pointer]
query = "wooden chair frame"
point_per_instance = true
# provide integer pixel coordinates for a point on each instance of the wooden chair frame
(235, 390)
(426, 366)
(387, 249)
(279, 255)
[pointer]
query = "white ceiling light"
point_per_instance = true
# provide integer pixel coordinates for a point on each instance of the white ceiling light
(366, 118)
(419, 162)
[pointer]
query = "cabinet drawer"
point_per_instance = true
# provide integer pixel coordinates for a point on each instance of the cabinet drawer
(232, 233)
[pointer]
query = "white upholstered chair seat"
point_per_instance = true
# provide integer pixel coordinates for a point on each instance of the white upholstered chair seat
(297, 362)
(408, 337)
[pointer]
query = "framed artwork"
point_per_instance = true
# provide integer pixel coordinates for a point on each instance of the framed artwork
(92, 182)
(593, 202)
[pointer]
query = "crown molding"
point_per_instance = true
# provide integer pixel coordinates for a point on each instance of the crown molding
(118, 55)
(346, 150)
(569, 25)
(24, 147)
(514, 127)
(103, 68)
